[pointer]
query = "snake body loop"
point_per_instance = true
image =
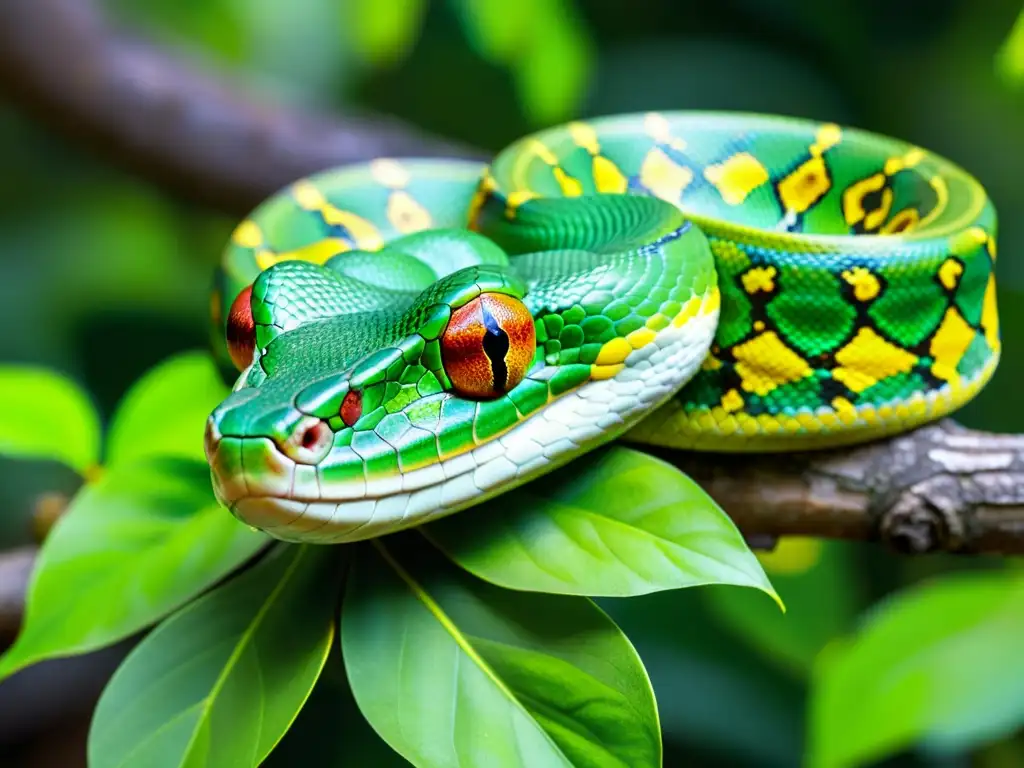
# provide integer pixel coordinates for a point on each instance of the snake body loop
(417, 336)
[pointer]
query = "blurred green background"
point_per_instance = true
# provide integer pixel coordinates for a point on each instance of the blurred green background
(104, 275)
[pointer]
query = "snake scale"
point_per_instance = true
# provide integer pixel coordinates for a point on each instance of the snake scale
(413, 337)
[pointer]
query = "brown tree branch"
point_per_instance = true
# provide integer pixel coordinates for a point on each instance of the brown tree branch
(201, 136)
(941, 488)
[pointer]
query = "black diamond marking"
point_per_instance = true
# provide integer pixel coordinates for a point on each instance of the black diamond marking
(496, 346)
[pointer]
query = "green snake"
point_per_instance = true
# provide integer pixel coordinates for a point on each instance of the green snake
(417, 336)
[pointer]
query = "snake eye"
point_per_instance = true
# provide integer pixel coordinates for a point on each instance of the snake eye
(310, 441)
(488, 345)
(241, 330)
(351, 407)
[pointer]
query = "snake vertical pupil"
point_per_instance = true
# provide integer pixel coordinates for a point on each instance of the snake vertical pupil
(488, 345)
(496, 346)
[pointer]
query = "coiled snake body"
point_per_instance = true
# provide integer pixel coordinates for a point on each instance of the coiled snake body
(416, 336)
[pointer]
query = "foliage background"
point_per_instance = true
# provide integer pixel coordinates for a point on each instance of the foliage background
(103, 276)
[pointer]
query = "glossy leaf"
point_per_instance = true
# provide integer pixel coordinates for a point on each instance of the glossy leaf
(165, 412)
(331, 731)
(47, 416)
(220, 682)
(543, 42)
(450, 670)
(1010, 59)
(383, 32)
(132, 547)
(819, 587)
(615, 524)
(939, 662)
(552, 79)
(496, 29)
(714, 695)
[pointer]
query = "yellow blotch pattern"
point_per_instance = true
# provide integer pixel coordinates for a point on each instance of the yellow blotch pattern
(765, 363)
(317, 252)
(805, 186)
(949, 344)
(607, 176)
(865, 285)
(611, 359)
(541, 150)
(570, 187)
(364, 234)
(658, 128)
(389, 173)
(405, 214)
(584, 136)
(736, 177)
(732, 401)
(663, 176)
(853, 197)
(942, 194)
(759, 279)
(248, 234)
(949, 273)
(868, 359)
(828, 136)
(902, 221)
(990, 315)
(896, 164)
(613, 352)
(516, 198)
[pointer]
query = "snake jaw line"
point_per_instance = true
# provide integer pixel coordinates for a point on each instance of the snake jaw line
(362, 508)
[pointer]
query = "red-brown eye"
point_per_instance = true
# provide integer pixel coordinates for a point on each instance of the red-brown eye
(488, 345)
(241, 330)
(351, 407)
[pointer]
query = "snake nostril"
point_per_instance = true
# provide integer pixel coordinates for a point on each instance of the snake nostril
(310, 440)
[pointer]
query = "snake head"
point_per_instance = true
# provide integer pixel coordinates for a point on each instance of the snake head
(369, 409)
(357, 423)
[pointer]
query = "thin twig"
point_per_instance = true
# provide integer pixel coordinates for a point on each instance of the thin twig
(201, 135)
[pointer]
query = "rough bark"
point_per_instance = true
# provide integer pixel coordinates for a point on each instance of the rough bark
(942, 488)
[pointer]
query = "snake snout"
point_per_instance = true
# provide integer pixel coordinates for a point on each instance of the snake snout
(308, 441)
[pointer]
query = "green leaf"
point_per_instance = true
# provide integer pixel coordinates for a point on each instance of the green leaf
(47, 416)
(552, 76)
(817, 584)
(450, 670)
(616, 523)
(140, 542)
(165, 411)
(220, 682)
(1010, 59)
(331, 731)
(543, 42)
(713, 694)
(495, 29)
(383, 33)
(939, 662)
